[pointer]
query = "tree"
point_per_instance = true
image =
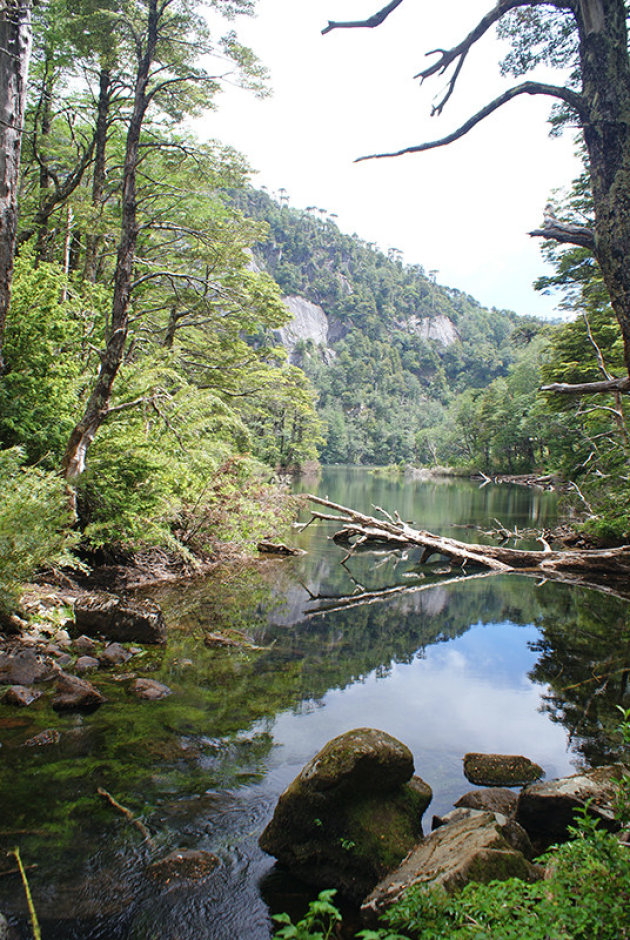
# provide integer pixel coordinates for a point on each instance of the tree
(15, 49)
(591, 36)
(167, 38)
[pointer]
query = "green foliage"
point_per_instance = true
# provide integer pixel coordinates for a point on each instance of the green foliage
(388, 377)
(34, 524)
(318, 923)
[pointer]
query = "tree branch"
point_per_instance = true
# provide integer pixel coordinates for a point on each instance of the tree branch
(566, 234)
(586, 388)
(370, 23)
(526, 88)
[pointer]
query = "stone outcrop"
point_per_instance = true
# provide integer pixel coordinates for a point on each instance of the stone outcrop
(351, 815)
(476, 846)
(102, 614)
(439, 329)
(500, 770)
(547, 809)
(309, 323)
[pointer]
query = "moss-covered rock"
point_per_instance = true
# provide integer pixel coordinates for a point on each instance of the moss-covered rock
(350, 816)
(500, 770)
(475, 847)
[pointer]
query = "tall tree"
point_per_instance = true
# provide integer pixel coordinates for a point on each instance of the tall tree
(15, 49)
(592, 35)
(167, 37)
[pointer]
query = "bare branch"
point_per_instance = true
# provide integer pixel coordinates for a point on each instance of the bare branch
(566, 234)
(370, 23)
(526, 88)
(587, 388)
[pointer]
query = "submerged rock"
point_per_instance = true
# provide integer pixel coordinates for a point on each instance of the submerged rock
(476, 847)
(44, 738)
(114, 655)
(546, 809)
(182, 867)
(150, 689)
(103, 614)
(74, 693)
(350, 815)
(500, 770)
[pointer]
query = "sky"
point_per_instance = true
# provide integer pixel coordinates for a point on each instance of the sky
(462, 210)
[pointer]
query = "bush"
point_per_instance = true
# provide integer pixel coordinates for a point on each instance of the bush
(35, 525)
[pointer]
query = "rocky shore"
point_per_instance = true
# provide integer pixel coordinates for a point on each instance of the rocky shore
(352, 819)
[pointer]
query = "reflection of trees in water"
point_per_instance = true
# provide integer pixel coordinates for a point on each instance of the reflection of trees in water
(584, 658)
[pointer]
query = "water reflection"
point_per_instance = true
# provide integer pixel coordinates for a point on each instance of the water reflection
(489, 663)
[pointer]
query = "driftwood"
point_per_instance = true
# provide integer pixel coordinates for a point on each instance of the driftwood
(140, 826)
(358, 529)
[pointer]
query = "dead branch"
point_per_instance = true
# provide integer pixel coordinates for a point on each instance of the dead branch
(140, 826)
(370, 22)
(525, 88)
(566, 234)
(356, 526)
(586, 388)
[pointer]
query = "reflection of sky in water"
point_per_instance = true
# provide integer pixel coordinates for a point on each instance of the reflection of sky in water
(470, 694)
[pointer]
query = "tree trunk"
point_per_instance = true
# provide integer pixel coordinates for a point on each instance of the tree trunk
(97, 407)
(578, 562)
(15, 50)
(98, 180)
(605, 68)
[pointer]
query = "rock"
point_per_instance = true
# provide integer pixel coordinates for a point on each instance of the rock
(63, 659)
(20, 695)
(114, 655)
(150, 689)
(4, 928)
(84, 644)
(86, 664)
(546, 809)
(44, 738)
(75, 693)
(473, 848)
(350, 815)
(492, 799)
(102, 614)
(182, 867)
(364, 760)
(24, 668)
(500, 770)
(510, 829)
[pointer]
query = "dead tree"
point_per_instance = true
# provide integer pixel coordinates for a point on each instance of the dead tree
(358, 529)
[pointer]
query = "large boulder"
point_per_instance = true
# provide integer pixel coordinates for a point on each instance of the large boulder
(102, 614)
(547, 809)
(351, 815)
(500, 770)
(475, 847)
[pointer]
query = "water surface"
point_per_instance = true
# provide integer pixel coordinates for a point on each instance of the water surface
(447, 664)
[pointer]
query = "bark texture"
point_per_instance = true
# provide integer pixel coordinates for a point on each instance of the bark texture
(15, 50)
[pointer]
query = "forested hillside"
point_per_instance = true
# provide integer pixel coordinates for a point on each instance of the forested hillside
(398, 344)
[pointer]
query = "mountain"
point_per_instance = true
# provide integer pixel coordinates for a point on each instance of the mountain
(385, 346)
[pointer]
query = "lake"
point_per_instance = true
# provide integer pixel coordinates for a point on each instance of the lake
(447, 664)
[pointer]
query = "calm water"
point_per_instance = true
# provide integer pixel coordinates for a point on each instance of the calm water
(448, 665)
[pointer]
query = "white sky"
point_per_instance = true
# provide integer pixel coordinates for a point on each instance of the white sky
(465, 209)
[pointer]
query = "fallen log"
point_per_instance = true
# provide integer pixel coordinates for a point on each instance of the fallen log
(358, 529)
